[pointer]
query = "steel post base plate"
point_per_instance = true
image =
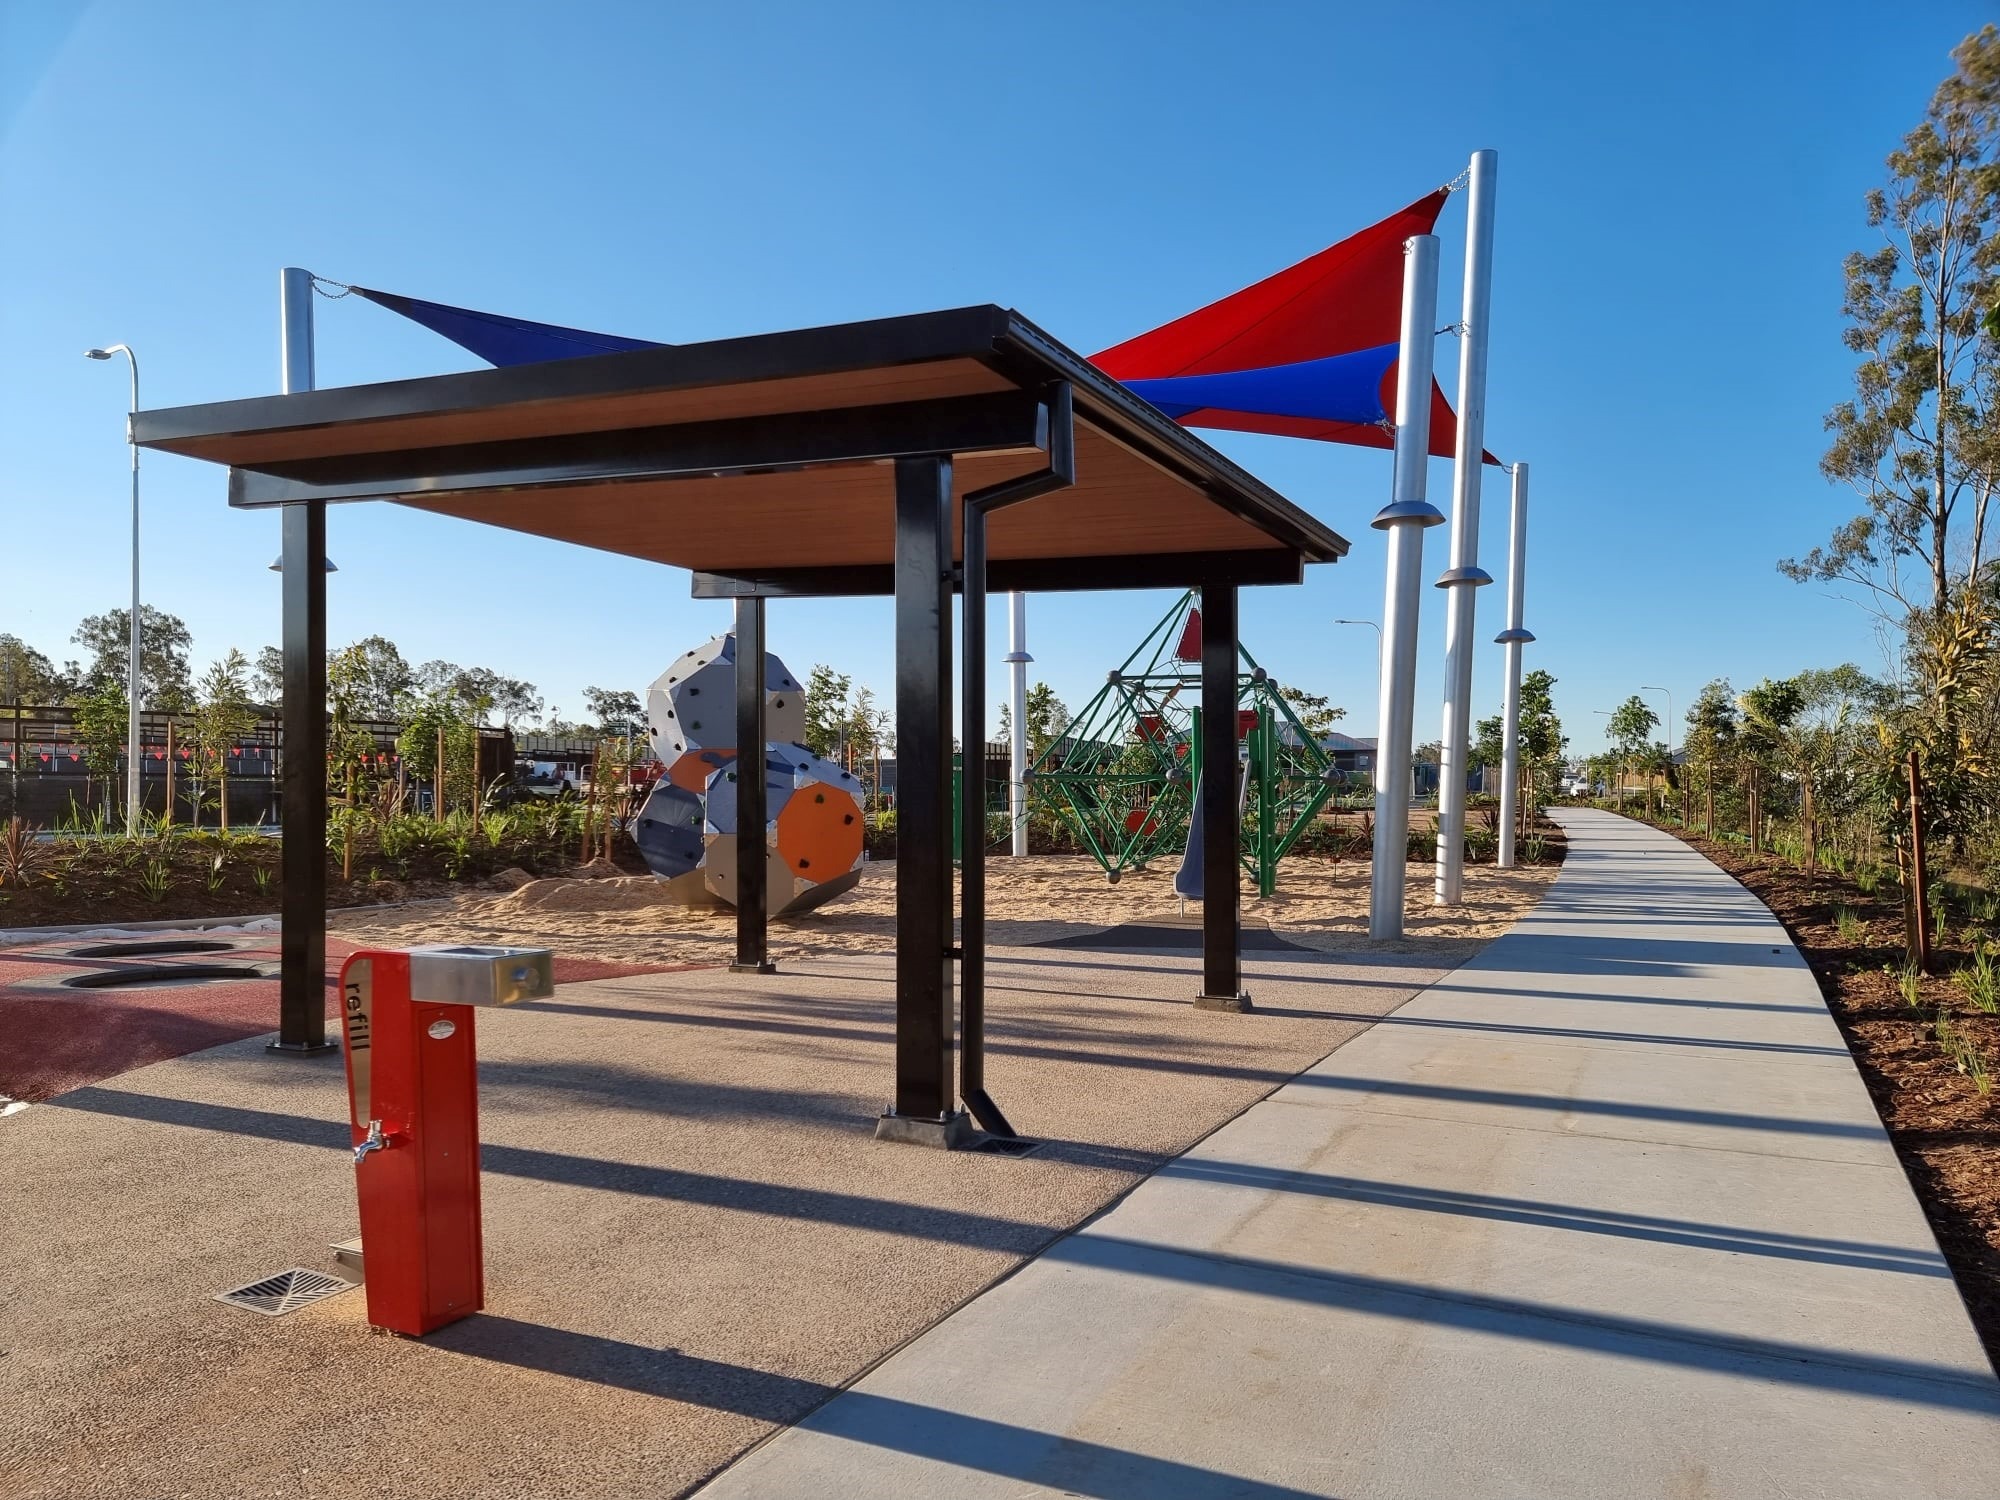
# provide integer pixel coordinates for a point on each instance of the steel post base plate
(766, 967)
(303, 1049)
(1237, 1002)
(951, 1133)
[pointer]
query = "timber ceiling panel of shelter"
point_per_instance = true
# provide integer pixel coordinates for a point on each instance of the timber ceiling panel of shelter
(1143, 485)
(844, 514)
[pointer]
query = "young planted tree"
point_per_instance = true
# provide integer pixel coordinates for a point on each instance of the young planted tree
(866, 725)
(431, 720)
(1810, 724)
(1541, 739)
(1631, 730)
(828, 712)
(222, 716)
(100, 722)
(1918, 442)
(1711, 737)
(1047, 716)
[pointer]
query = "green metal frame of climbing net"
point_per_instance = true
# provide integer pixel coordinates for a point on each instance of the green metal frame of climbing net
(1122, 775)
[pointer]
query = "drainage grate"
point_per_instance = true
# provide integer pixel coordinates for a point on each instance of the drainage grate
(150, 949)
(1000, 1145)
(286, 1292)
(154, 976)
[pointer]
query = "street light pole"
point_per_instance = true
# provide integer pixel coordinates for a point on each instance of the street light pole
(1378, 639)
(132, 807)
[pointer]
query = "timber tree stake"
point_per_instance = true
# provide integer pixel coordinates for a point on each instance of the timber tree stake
(1920, 938)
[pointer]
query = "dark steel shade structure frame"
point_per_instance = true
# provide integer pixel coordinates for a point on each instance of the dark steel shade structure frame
(876, 433)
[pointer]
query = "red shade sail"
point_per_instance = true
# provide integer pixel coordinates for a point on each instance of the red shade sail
(1346, 298)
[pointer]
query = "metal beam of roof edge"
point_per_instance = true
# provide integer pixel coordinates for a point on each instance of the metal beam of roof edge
(765, 464)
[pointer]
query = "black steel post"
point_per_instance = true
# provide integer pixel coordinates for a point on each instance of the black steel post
(752, 956)
(1221, 969)
(924, 1093)
(302, 920)
(972, 830)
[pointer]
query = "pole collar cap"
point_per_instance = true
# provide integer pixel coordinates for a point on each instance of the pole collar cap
(1477, 577)
(1422, 512)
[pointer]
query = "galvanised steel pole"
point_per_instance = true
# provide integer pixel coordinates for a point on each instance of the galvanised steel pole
(1405, 518)
(132, 808)
(1511, 640)
(1018, 659)
(1462, 580)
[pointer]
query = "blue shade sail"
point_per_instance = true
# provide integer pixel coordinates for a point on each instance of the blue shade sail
(1340, 388)
(504, 341)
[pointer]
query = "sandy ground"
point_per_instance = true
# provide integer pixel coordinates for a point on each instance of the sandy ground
(1319, 904)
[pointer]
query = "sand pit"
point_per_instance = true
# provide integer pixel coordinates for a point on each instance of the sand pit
(1319, 904)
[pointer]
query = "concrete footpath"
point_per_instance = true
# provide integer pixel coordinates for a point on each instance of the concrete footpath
(1605, 1212)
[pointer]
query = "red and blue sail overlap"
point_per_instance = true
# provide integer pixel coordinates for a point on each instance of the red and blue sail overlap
(1309, 352)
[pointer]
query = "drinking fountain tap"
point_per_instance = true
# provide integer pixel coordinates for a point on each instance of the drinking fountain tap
(376, 1141)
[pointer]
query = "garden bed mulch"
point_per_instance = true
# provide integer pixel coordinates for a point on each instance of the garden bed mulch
(206, 877)
(1945, 1130)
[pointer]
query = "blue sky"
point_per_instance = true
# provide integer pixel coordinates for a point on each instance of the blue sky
(1678, 186)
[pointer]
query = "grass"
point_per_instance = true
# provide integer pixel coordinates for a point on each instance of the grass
(1910, 981)
(156, 880)
(1851, 928)
(1963, 1054)
(1981, 981)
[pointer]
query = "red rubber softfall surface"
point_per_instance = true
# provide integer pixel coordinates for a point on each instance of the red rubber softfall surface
(53, 1038)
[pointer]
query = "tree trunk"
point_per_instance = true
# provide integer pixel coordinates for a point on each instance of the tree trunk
(169, 820)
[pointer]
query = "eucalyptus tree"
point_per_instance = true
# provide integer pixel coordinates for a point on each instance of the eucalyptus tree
(27, 676)
(1918, 441)
(164, 643)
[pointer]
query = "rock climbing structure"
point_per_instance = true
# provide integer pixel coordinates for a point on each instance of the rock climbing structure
(687, 828)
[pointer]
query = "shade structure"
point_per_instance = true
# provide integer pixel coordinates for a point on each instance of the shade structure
(913, 456)
(768, 461)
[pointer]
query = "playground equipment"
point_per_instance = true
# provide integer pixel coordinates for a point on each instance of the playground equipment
(687, 829)
(1122, 776)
